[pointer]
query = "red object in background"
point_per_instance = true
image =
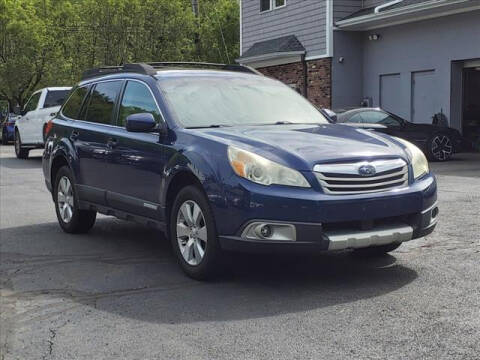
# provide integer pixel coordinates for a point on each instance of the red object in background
(48, 127)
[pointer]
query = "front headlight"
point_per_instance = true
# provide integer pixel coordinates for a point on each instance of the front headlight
(263, 171)
(418, 159)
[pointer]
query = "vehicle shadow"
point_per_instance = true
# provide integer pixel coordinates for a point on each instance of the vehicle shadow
(130, 271)
(33, 162)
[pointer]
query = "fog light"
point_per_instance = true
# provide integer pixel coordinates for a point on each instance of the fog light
(266, 231)
(434, 213)
(269, 231)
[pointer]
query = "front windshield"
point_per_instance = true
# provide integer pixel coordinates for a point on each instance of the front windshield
(219, 100)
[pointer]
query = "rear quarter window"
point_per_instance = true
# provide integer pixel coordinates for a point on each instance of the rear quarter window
(55, 98)
(72, 107)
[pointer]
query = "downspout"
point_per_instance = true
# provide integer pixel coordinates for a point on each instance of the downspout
(305, 76)
(386, 5)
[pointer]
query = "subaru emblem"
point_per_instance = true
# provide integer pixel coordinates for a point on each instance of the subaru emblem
(367, 170)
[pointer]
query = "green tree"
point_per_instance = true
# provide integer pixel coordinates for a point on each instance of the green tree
(219, 30)
(51, 42)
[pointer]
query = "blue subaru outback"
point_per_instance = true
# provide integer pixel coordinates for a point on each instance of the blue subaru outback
(222, 159)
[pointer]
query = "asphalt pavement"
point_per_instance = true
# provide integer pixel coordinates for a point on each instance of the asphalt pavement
(117, 293)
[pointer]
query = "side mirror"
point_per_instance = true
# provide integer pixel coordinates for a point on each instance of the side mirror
(330, 115)
(142, 122)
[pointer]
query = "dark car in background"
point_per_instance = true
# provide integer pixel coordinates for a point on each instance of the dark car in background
(222, 158)
(7, 128)
(438, 143)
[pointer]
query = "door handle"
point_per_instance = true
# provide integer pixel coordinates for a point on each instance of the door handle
(74, 135)
(112, 142)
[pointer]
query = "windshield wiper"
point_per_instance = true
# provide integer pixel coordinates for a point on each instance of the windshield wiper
(208, 126)
(285, 123)
(275, 123)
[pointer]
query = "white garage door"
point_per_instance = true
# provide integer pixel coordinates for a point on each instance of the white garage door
(424, 97)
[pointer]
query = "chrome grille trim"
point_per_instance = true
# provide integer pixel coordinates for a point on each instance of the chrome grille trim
(352, 168)
(344, 178)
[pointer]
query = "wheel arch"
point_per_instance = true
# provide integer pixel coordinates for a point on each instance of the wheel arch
(58, 162)
(63, 152)
(177, 182)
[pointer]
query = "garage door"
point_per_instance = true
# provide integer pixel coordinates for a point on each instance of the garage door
(390, 93)
(424, 96)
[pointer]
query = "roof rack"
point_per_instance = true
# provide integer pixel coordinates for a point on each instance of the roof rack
(138, 68)
(205, 65)
(151, 68)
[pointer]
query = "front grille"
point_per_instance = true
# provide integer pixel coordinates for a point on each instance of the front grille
(345, 178)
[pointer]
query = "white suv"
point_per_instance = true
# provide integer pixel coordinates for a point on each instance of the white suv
(40, 108)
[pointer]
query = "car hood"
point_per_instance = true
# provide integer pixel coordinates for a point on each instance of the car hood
(303, 146)
(425, 128)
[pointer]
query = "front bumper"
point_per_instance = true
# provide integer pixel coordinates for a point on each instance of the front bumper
(341, 222)
(312, 237)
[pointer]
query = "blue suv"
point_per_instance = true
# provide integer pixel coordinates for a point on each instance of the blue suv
(222, 158)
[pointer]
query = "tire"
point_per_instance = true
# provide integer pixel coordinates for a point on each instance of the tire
(200, 234)
(78, 221)
(44, 136)
(4, 139)
(440, 147)
(377, 250)
(20, 152)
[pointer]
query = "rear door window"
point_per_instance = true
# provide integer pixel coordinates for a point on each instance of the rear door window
(102, 101)
(357, 118)
(55, 98)
(74, 103)
(378, 117)
(32, 103)
(137, 98)
(373, 117)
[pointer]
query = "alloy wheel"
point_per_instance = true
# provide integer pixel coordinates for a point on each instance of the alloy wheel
(442, 147)
(65, 199)
(191, 232)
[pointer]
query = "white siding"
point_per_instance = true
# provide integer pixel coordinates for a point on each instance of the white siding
(306, 19)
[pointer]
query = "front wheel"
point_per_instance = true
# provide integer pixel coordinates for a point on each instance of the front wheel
(377, 250)
(70, 217)
(440, 147)
(20, 151)
(193, 234)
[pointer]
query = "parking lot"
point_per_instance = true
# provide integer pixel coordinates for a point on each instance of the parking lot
(117, 291)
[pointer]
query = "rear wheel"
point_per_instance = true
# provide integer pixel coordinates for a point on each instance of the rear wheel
(377, 250)
(440, 147)
(193, 234)
(70, 217)
(44, 133)
(4, 138)
(20, 151)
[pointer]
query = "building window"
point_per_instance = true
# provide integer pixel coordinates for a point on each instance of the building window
(267, 5)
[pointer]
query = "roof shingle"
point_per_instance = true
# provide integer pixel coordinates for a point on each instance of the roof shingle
(283, 44)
